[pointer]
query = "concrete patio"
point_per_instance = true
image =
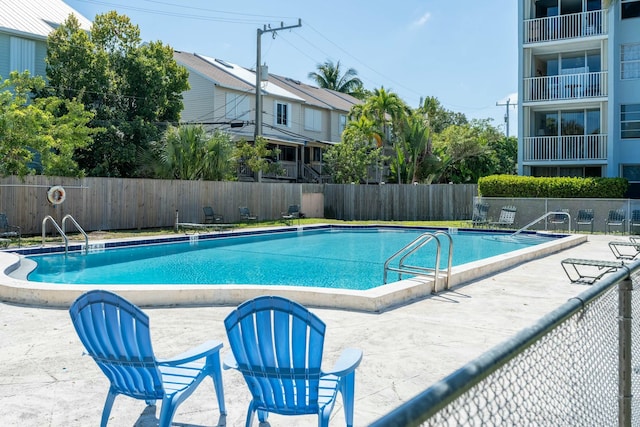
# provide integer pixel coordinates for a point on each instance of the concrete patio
(46, 381)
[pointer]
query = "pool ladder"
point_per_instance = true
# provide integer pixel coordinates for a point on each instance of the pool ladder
(61, 231)
(411, 248)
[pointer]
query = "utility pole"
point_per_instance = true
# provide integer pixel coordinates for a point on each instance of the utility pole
(265, 29)
(506, 116)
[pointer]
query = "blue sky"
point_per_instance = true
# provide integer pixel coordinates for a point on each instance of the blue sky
(464, 53)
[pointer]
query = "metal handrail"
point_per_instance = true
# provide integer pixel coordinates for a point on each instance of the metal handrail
(57, 227)
(414, 246)
(80, 229)
(535, 221)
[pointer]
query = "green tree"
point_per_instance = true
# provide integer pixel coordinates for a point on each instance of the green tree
(257, 156)
(40, 135)
(350, 160)
(330, 76)
(189, 152)
(133, 89)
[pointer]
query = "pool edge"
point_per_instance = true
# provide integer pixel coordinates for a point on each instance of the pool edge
(379, 299)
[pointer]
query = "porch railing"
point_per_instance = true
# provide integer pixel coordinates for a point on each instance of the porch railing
(566, 86)
(584, 24)
(569, 147)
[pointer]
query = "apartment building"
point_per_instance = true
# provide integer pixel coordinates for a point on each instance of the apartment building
(579, 86)
(24, 28)
(298, 119)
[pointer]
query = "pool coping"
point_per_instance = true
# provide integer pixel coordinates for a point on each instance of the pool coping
(381, 298)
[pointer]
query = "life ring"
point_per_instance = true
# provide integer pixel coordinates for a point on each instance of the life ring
(56, 194)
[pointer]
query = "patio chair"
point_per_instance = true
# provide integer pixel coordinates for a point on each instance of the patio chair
(616, 218)
(116, 335)
(277, 345)
(8, 231)
(292, 213)
(210, 217)
(479, 217)
(585, 217)
(558, 218)
(634, 221)
(507, 217)
(245, 214)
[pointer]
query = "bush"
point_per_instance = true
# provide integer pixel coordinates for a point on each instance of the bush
(561, 187)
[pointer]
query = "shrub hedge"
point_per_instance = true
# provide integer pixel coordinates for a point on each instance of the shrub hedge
(561, 187)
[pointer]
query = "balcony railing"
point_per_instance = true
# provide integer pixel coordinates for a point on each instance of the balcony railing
(570, 147)
(562, 27)
(566, 86)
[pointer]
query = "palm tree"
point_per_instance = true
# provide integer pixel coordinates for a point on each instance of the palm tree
(329, 76)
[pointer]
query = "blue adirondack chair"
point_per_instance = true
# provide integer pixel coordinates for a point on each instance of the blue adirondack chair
(277, 345)
(116, 335)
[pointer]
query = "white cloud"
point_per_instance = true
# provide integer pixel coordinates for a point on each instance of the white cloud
(512, 97)
(422, 20)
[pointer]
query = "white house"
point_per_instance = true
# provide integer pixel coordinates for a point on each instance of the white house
(579, 82)
(24, 27)
(298, 119)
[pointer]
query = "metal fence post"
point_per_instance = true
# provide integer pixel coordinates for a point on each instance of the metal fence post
(624, 352)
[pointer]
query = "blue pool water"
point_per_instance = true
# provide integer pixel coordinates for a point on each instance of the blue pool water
(348, 259)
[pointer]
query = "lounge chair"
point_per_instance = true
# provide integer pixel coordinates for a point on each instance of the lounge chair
(507, 217)
(116, 335)
(277, 345)
(245, 214)
(210, 217)
(479, 217)
(627, 250)
(585, 217)
(8, 231)
(634, 221)
(588, 271)
(292, 213)
(616, 218)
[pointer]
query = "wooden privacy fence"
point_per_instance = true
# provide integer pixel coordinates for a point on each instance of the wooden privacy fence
(119, 203)
(398, 202)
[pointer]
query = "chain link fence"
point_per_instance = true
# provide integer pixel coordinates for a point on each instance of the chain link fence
(577, 366)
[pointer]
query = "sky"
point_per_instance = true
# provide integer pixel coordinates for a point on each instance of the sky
(464, 53)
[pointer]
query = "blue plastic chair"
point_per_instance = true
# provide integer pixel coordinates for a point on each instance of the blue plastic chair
(116, 335)
(277, 345)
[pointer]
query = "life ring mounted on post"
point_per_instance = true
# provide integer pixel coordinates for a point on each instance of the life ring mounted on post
(56, 194)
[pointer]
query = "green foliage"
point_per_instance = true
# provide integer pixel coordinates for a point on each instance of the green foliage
(48, 129)
(330, 76)
(349, 161)
(133, 89)
(188, 152)
(258, 156)
(556, 187)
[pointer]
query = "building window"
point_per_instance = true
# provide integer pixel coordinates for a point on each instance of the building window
(631, 172)
(282, 114)
(343, 123)
(630, 61)
(237, 107)
(22, 55)
(630, 121)
(630, 8)
(312, 119)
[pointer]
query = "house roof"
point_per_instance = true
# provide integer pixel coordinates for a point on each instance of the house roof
(320, 97)
(203, 67)
(36, 18)
(249, 77)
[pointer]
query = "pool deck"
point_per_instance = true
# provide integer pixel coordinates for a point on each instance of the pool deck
(45, 380)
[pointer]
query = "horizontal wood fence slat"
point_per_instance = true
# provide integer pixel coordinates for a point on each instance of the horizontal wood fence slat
(119, 203)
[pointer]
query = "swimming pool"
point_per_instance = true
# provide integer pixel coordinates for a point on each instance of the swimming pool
(16, 265)
(339, 258)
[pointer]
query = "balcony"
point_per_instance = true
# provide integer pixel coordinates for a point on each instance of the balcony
(572, 84)
(570, 147)
(562, 27)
